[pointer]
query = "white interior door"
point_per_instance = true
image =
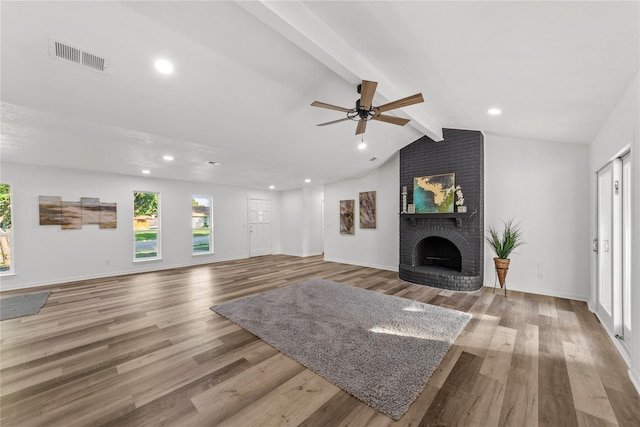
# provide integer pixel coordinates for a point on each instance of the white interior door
(626, 250)
(259, 227)
(614, 248)
(605, 246)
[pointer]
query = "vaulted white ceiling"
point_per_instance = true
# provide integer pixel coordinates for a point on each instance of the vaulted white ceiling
(247, 72)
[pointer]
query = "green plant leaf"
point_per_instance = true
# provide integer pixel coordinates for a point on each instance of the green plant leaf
(511, 238)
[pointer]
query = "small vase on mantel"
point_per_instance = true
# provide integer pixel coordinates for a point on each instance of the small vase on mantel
(462, 209)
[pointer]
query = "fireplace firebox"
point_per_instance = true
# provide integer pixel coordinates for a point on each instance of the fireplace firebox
(436, 251)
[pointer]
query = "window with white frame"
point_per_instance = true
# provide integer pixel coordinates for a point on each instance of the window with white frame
(201, 225)
(146, 226)
(6, 230)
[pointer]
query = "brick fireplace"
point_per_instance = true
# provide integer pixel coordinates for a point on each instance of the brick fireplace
(445, 250)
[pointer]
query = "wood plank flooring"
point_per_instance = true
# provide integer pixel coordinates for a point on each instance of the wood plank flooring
(145, 350)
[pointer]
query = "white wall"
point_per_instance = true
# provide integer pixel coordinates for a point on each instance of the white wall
(302, 221)
(619, 131)
(48, 254)
(312, 229)
(544, 186)
(367, 247)
(634, 372)
(292, 222)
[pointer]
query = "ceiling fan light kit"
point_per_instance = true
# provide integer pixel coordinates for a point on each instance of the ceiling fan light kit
(364, 111)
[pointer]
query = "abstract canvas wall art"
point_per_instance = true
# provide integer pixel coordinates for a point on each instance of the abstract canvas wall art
(108, 215)
(50, 210)
(368, 209)
(70, 215)
(347, 223)
(90, 210)
(433, 194)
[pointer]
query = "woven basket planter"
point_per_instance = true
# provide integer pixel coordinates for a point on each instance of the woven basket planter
(502, 266)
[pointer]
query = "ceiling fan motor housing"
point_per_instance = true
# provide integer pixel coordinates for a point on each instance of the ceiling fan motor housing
(362, 113)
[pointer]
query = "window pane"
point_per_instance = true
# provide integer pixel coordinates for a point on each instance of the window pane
(146, 244)
(6, 231)
(146, 225)
(201, 240)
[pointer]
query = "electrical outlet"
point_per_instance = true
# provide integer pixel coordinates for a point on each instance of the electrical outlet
(540, 275)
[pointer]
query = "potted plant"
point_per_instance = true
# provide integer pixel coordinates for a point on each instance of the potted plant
(502, 245)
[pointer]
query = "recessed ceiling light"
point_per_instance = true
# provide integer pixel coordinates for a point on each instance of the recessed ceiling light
(167, 158)
(494, 111)
(362, 145)
(163, 66)
(146, 171)
(271, 187)
(307, 180)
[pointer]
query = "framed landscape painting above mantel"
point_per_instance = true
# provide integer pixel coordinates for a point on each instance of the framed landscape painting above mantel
(433, 194)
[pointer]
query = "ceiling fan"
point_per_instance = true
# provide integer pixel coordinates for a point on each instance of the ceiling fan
(364, 111)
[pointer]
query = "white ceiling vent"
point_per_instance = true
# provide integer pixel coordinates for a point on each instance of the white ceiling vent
(75, 54)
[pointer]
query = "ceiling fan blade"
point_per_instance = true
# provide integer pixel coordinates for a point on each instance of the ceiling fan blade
(367, 90)
(404, 102)
(334, 121)
(330, 107)
(362, 126)
(391, 119)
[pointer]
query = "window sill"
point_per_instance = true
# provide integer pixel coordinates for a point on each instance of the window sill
(201, 253)
(136, 261)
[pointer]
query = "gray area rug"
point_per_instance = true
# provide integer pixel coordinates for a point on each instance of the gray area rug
(22, 305)
(381, 349)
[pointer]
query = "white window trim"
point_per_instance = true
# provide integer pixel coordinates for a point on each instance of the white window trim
(211, 248)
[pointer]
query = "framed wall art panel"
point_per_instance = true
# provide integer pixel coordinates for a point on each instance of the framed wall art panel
(347, 212)
(368, 209)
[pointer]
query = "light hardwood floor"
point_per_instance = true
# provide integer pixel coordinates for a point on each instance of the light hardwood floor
(145, 349)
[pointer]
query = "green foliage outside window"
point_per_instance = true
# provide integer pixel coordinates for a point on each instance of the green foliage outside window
(5, 227)
(145, 204)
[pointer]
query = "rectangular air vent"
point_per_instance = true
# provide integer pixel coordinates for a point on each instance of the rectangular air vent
(75, 54)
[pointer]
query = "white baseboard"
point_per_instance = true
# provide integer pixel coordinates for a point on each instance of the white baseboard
(312, 254)
(299, 255)
(615, 341)
(149, 266)
(566, 295)
(349, 262)
(635, 379)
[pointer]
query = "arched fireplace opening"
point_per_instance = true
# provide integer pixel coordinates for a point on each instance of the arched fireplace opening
(435, 251)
